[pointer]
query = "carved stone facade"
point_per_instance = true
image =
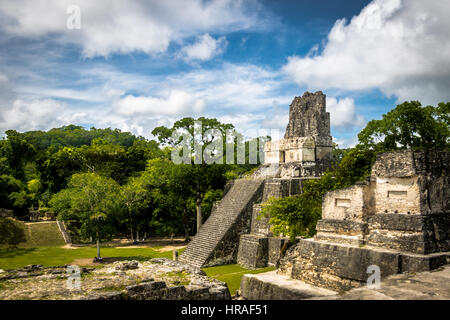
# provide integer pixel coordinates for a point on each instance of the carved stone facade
(303, 154)
(307, 144)
(406, 194)
(234, 232)
(398, 219)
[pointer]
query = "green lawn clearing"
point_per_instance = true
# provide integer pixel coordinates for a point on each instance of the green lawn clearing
(11, 258)
(44, 234)
(29, 235)
(231, 274)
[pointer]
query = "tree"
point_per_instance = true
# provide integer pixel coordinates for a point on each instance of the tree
(298, 215)
(92, 201)
(170, 194)
(134, 197)
(200, 176)
(18, 151)
(13, 196)
(409, 126)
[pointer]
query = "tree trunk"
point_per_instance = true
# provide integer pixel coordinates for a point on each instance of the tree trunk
(199, 213)
(186, 227)
(98, 247)
(137, 235)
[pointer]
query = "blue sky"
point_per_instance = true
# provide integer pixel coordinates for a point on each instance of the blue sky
(135, 65)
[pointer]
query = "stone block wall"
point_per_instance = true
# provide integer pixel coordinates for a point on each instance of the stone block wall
(253, 251)
(398, 220)
(346, 204)
(260, 225)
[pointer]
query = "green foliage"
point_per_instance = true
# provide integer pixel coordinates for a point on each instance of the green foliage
(12, 232)
(135, 198)
(354, 166)
(199, 179)
(298, 215)
(13, 195)
(408, 126)
(91, 201)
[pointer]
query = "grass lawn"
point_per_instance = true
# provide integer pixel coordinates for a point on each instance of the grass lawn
(11, 258)
(232, 274)
(44, 234)
(57, 256)
(29, 235)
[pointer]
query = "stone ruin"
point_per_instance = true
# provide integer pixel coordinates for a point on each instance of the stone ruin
(398, 220)
(156, 279)
(306, 148)
(234, 233)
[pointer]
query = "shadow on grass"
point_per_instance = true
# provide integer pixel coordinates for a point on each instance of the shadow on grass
(8, 253)
(12, 232)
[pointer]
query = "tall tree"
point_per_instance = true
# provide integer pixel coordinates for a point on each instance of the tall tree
(409, 126)
(201, 176)
(92, 201)
(134, 197)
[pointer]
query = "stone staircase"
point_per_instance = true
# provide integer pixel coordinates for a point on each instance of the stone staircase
(217, 241)
(65, 234)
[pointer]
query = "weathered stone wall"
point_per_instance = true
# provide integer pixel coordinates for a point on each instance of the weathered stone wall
(260, 224)
(342, 267)
(253, 251)
(346, 204)
(341, 231)
(280, 188)
(398, 219)
(421, 234)
(277, 249)
(415, 182)
(307, 138)
(308, 117)
(5, 213)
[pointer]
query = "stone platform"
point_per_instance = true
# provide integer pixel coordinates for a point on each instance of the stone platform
(342, 267)
(272, 286)
(433, 285)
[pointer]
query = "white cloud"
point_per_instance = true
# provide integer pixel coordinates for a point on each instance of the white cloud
(32, 115)
(234, 87)
(205, 48)
(121, 26)
(243, 94)
(176, 103)
(398, 47)
(343, 113)
(344, 143)
(277, 118)
(5, 91)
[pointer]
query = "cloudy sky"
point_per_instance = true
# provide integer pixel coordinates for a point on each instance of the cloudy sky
(134, 65)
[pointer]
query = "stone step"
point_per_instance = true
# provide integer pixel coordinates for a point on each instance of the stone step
(221, 220)
(272, 286)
